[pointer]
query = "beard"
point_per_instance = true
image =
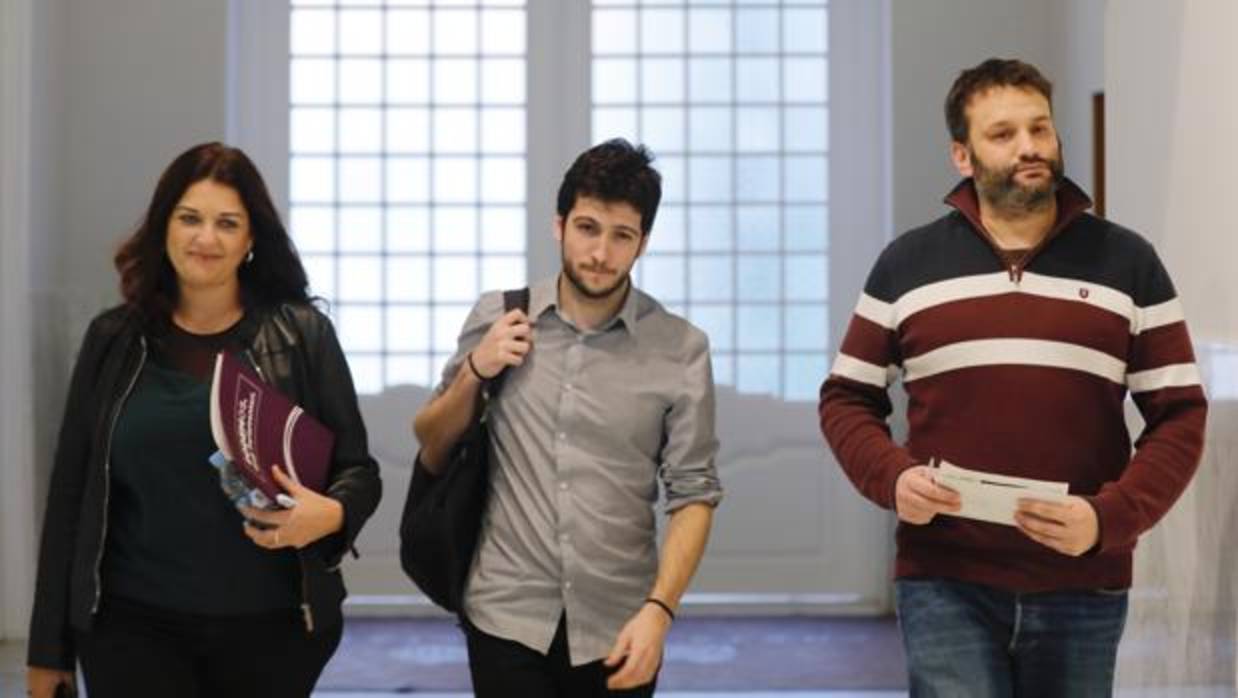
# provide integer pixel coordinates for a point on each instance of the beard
(577, 281)
(999, 187)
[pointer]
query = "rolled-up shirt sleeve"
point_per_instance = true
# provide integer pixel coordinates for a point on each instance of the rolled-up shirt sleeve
(688, 471)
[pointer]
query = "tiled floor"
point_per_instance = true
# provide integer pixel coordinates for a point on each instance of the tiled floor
(779, 694)
(1190, 692)
(802, 653)
(12, 680)
(12, 656)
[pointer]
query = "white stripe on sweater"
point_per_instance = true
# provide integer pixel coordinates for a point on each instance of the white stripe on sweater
(864, 372)
(1172, 376)
(988, 285)
(1155, 316)
(876, 311)
(1014, 352)
(891, 315)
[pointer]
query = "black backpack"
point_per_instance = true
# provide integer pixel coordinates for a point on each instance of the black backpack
(442, 514)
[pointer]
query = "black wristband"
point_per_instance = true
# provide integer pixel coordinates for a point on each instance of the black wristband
(661, 604)
(473, 368)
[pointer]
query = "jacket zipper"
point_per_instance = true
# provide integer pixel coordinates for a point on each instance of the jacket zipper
(1015, 271)
(254, 362)
(307, 614)
(107, 473)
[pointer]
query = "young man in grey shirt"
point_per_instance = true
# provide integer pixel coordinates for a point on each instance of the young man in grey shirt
(607, 394)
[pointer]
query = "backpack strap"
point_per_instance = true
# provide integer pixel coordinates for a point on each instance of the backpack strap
(512, 300)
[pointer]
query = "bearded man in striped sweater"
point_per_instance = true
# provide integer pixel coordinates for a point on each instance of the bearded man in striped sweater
(1019, 322)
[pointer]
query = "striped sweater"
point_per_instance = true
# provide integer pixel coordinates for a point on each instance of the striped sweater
(1020, 370)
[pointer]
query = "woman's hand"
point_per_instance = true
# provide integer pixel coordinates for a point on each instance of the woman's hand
(42, 683)
(314, 516)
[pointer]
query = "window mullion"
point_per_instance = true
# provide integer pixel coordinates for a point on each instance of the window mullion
(559, 113)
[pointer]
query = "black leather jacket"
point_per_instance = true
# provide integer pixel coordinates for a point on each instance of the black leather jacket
(293, 347)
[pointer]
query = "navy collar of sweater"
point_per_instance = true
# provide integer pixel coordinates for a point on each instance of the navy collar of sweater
(1071, 204)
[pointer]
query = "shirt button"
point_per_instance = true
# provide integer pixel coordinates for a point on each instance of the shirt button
(563, 486)
(567, 586)
(568, 387)
(562, 436)
(564, 538)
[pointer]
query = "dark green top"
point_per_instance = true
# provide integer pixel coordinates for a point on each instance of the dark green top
(174, 540)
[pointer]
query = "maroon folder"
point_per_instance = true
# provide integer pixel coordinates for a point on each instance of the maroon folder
(257, 427)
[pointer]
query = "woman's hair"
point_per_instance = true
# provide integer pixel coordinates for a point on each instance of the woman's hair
(274, 274)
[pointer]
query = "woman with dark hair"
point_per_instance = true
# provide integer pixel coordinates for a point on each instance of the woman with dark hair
(147, 573)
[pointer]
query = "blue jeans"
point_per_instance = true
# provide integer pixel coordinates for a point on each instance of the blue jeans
(972, 641)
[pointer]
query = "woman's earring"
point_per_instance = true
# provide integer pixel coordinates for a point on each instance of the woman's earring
(249, 257)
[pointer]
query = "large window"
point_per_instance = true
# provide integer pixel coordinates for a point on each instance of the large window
(408, 162)
(407, 170)
(732, 97)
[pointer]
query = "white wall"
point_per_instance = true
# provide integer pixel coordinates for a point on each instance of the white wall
(106, 94)
(1172, 118)
(16, 56)
(32, 66)
(49, 334)
(1076, 66)
(143, 80)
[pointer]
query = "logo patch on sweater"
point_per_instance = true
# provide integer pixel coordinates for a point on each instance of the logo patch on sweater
(1083, 293)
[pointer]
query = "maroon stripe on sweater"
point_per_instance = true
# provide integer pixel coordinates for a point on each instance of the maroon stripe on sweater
(1026, 421)
(870, 342)
(1002, 557)
(1015, 315)
(1161, 346)
(1157, 405)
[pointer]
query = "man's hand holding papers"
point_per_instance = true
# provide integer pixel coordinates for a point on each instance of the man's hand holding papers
(1042, 509)
(1070, 527)
(991, 497)
(918, 498)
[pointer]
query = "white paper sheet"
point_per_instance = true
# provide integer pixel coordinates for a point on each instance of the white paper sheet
(992, 497)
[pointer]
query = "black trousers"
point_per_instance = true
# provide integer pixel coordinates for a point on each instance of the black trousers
(503, 668)
(136, 651)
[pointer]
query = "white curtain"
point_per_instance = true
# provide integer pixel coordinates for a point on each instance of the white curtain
(1180, 634)
(1171, 121)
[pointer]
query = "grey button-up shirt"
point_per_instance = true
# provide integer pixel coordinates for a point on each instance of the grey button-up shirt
(581, 434)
